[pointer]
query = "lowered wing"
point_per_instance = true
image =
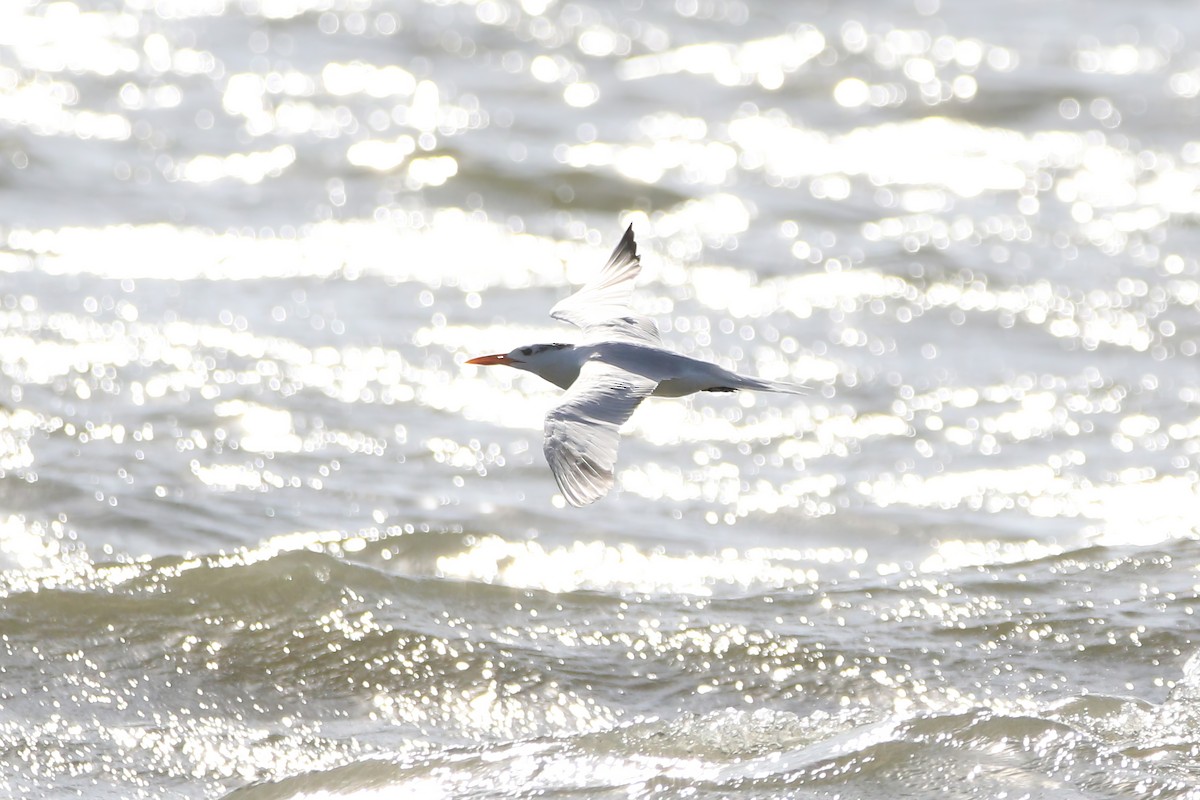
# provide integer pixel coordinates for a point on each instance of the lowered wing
(583, 431)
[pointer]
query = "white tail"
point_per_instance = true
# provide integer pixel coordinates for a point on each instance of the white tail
(764, 385)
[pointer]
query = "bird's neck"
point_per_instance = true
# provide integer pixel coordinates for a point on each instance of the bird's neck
(560, 367)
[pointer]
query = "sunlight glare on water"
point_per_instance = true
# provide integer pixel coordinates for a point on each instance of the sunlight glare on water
(263, 533)
(599, 567)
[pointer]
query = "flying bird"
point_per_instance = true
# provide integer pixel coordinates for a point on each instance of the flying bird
(620, 362)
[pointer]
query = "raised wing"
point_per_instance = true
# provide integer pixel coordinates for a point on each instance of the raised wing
(583, 431)
(601, 307)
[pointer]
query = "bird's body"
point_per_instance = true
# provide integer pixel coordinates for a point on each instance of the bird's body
(674, 375)
(621, 362)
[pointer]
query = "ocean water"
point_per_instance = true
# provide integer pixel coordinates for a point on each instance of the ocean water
(263, 534)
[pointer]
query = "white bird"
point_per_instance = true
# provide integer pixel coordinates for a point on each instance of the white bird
(620, 362)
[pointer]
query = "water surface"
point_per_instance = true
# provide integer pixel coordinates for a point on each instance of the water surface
(264, 535)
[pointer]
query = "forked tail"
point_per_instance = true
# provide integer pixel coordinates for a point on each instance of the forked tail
(764, 385)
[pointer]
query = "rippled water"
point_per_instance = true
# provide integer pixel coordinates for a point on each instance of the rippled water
(264, 535)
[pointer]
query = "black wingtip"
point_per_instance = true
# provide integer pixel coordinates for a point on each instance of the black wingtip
(628, 243)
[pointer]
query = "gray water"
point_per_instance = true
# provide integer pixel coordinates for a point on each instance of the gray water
(264, 535)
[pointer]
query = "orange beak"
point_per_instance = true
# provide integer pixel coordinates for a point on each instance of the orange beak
(490, 360)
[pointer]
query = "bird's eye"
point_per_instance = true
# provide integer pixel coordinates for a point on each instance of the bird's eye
(527, 351)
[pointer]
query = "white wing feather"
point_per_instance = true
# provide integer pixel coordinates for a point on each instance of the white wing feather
(583, 431)
(601, 307)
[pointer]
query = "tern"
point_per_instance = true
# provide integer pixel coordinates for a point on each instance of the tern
(620, 362)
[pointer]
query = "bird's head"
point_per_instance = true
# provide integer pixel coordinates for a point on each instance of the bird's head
(523, 357)
(551, 361)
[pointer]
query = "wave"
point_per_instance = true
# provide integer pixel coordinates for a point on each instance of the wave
(975, 752)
